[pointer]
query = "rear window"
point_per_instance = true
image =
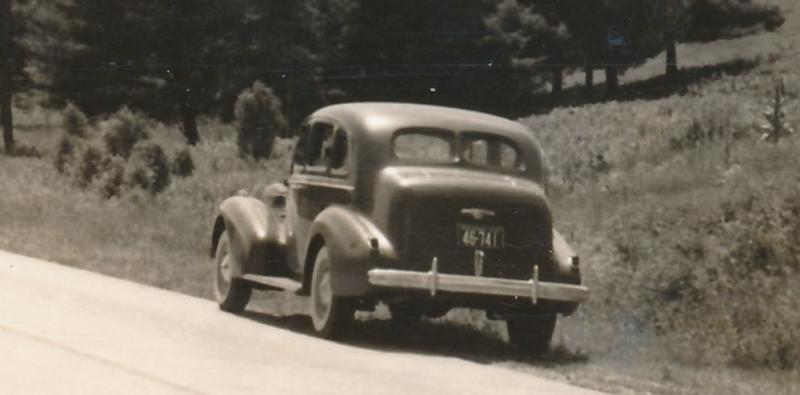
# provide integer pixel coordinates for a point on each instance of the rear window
(491, 151)
(424, 145)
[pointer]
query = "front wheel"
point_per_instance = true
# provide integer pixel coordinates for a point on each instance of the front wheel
(330, 314)
(532, 334)
(232, 294)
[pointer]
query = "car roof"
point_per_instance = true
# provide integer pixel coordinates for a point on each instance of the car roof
(379, 118)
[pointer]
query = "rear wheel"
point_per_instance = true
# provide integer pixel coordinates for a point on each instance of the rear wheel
(532, 334)
(330, 314)
(232, 294)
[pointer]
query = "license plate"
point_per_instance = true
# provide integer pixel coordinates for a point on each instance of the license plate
(478, 236)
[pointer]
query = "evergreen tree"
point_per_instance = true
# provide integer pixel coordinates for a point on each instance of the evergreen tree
(533, 38)
(6, 67)
(13, 59)
(715, 19)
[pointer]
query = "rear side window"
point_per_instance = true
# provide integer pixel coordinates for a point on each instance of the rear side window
(424, 145)
(339, 151)
(319, 145)
(491, 151)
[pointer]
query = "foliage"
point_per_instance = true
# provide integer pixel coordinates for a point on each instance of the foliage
(183, 165)
(690, 233)
(260, 119)
(112, 177)
(14, 50)
(777, 127)
(124, 130)
(65, 152)
(148, 168)
(25, 151)
(485, 54)
(74, 121)
(714, 19)
(529, 37)
(89, 166)
(715, 273)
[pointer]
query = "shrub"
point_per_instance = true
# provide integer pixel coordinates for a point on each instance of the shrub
(259, 120)
(183, 165)
(124, 130)
(74, 121)
(148, 168)
(111, 179)
(65, 153)
(25, 151)
(89, 166)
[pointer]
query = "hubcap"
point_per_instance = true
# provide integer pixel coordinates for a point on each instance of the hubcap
(225, 268)
(323, 298)
(223, 272)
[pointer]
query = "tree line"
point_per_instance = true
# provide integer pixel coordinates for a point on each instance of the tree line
(178, 59)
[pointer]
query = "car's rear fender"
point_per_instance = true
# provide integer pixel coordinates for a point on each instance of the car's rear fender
(566, 260)
(354, 245)
(253, 234)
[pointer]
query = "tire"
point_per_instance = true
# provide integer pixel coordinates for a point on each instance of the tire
(532, 334)
(331, 315)
(232, 294)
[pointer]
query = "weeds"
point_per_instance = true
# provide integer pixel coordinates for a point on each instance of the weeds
(776, 127)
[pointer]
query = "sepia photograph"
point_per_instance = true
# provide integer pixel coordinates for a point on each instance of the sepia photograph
(353, 197)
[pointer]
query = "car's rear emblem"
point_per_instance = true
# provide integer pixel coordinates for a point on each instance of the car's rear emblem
(477, 213)
(478, 262)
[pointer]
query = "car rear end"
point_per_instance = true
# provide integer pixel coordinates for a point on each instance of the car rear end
(471, 238)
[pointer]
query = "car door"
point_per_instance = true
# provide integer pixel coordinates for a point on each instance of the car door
(320, 177)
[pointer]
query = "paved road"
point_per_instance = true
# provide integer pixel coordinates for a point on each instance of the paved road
(67, 331)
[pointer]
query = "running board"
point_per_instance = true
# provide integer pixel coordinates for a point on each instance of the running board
(276, 283)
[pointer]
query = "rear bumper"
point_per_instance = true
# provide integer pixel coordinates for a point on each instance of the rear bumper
(434, 282)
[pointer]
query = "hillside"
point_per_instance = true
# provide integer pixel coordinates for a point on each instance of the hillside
(688, 218)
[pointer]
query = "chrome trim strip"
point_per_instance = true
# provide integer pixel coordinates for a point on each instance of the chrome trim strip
(478, 213)
(302, 183)
(434, 281)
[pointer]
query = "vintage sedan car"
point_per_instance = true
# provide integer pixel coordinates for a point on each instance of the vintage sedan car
(422, 208)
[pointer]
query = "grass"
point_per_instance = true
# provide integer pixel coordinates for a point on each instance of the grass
(160, 240)
(679, 210)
